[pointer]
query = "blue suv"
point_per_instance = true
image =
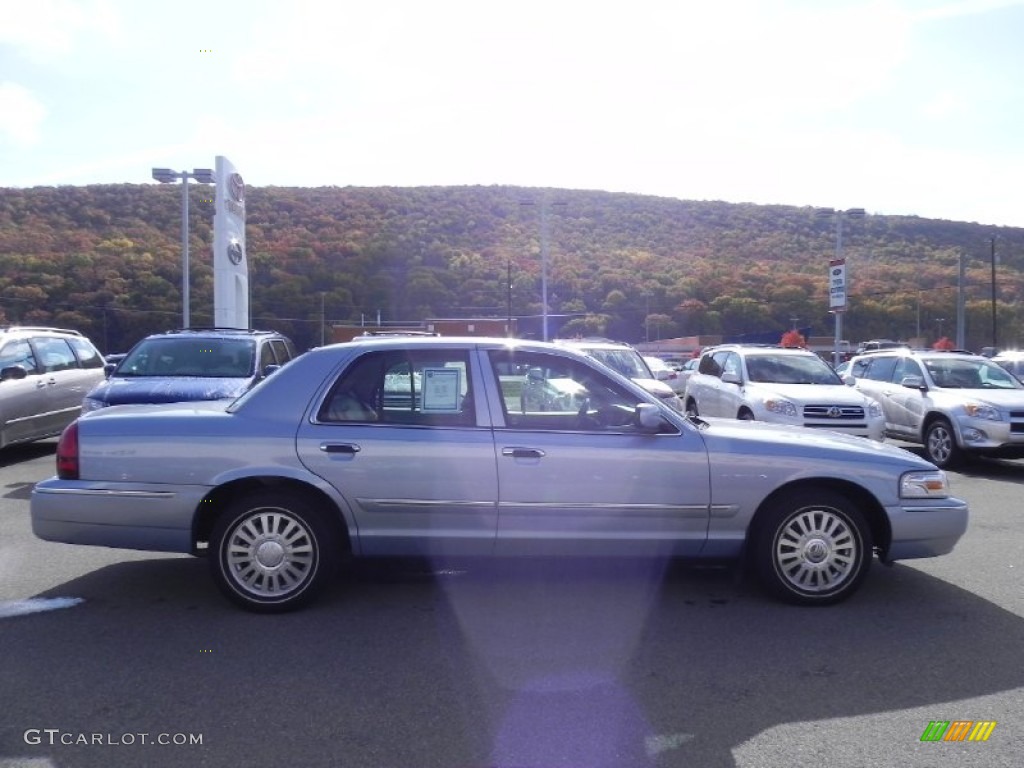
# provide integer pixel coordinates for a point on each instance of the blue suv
(191, 364)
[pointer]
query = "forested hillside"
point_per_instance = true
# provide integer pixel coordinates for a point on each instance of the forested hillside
(107, 260)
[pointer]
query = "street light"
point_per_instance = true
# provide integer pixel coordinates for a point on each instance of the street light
(995, 338)
(857, 213)
(543, 258)
(167, 176)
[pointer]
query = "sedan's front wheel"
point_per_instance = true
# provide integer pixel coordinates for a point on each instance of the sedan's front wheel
(271, 552)
(812, 548)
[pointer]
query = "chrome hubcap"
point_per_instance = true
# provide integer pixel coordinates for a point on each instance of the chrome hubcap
(816, 550)
(270, 553)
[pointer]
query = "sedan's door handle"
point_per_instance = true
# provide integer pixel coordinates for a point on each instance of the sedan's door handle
(348, 448)
(523, 453)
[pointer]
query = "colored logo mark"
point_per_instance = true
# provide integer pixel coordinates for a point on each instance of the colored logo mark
(958, 730)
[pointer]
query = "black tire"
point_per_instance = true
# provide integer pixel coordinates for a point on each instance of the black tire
(812, 547)
(940, 446)
(745, 415)
(691, 406)
(272, 552)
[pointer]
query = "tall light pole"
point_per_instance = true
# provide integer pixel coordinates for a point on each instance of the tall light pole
(858, 213)
(543, 257)
(995, 339)
(167, 176)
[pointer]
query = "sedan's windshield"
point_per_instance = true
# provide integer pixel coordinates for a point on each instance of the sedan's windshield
(790, 369)
(213, 358)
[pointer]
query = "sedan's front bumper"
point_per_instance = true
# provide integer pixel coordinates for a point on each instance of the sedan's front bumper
(923, 529)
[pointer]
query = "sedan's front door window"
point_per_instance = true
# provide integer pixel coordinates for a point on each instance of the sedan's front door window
(549, 392)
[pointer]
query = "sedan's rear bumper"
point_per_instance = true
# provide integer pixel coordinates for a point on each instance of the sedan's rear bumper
(157, 519)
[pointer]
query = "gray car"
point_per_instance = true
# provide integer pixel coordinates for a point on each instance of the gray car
(322, 461)
(44, 374)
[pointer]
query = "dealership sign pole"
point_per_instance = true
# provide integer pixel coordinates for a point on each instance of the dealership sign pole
(837, 277)
(837, 301)
(230, 265)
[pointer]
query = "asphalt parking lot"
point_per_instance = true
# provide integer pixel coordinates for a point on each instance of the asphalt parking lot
(529, 664)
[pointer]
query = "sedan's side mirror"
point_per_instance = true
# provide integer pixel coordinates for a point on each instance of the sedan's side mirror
(914, 382)
(650, 419)
(731, 377)
(13, 372)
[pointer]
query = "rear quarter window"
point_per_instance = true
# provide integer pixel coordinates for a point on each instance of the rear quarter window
(88, 356)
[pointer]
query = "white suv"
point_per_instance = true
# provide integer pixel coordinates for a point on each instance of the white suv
(952, 403)
(786, 386)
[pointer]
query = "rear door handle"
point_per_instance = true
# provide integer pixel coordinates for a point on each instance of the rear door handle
(346, 448)
(523, 453)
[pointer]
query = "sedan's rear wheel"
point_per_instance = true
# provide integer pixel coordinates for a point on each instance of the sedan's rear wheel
(272, 552)
(812, 548)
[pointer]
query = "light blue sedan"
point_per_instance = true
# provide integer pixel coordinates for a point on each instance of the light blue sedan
(426, 446)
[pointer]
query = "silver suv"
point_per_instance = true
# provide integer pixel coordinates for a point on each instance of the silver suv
(44, 373)
(787, 386)
(950, 402)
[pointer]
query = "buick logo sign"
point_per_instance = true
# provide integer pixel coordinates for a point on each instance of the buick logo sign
(236, 187)
(235, 252)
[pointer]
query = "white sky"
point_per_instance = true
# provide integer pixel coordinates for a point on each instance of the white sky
(909, 107)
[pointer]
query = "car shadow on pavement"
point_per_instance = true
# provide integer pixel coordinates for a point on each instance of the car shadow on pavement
(524, 664)
(16, 454)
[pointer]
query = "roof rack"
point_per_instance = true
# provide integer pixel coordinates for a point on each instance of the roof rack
(41, 328)
(400, 333)
(214, 329)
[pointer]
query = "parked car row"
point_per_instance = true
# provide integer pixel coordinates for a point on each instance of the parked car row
(50, 376)
(953, 403)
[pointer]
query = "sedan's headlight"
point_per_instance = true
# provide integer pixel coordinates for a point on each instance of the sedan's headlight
(781, 407)
(92, 404)
(982, 411)
(874, 410)
(929, 484)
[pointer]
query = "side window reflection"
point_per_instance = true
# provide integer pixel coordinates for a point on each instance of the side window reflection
(549, 392)
(406, 387)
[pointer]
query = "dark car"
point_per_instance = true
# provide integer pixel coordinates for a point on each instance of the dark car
(191, 364)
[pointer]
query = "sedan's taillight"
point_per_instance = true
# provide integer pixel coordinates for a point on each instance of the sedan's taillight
(67, 452)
